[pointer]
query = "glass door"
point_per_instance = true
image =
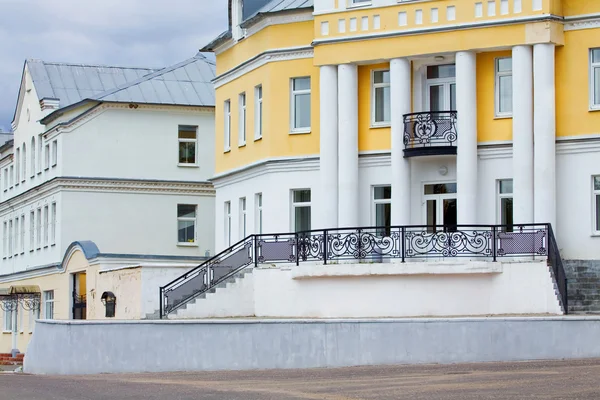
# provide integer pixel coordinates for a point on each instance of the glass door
(441, 88)
(440, 207)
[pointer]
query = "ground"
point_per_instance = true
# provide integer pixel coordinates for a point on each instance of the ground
(532, 380)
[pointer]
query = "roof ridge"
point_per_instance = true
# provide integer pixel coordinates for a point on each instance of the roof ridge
(72, 64)
(150, 76)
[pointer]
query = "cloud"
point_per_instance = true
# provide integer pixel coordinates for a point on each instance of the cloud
(147, 33)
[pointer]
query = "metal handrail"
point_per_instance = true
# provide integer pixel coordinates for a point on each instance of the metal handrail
(557, 269)
(362, 243)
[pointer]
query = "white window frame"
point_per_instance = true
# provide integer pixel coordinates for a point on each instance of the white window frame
(258, 112)
(10, 238)
(227, 223)
(46, 156)
(17, 167)
(7, 326)
(295, 205)
(374, 87)
(595, 211)
(499, 197)
(227, 126)
(38, 228)
(499, 74)
(16, 237)
(53, 224)
(12, 176)
(243, 226)
(32, 230)
(24, 163)
(242, 119)
(293, 95)
(594, 103)
(54, 153)
(4, 239)
(6, 179)
(377, 202)
(40, 154)
(258, 204)
(22, 242)
(48, 297)
(360, 3)
(184, 140)
(193, 219)
(46, 219)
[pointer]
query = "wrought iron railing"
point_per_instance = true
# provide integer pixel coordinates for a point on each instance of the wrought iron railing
(424, 131)
(374, 244)
(558, 270)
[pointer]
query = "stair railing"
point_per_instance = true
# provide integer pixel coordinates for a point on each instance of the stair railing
(558, 270)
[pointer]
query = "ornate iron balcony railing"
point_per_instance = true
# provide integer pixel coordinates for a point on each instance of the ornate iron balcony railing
(430, 133)
(369, 244)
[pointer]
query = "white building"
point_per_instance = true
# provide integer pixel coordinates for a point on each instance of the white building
(117, 156)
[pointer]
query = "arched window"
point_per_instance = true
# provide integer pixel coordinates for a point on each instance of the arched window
(32, 157)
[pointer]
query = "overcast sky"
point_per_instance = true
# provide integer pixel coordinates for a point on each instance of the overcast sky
(145, 33)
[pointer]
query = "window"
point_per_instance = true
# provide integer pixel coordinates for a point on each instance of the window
(381, 97)
(5, 239)
(10, 238)
(31, 230)
(595, 78)
(32, 157)
(49, 304)
(24, 164)
(54, 153)
(382, 201)
(47, 156)
(8, 321)
(22, 240)
(243, 219)
(12, 176)
(596, 199)
(242, 120)
(39, 155)
(188, 142)
(38, 232)
(258, 112)
(17, 236)
(505, 204)
(186, 223)
(258, 228)
(52, 224)
(359, 2)
(33, 316)
(300, 105)
(5, 179)
(227, 223)
(46, 218)
(18, 167)
(227, 130)
(301, 215)
(504, 90)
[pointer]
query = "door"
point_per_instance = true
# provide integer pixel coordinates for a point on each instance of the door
(440, 88)
(440, 206)
(79, 296)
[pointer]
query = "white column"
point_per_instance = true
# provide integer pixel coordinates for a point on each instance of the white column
(329, 147)
(522, 134)
(348, 145)
(544, 130)
(466, 160)
(400, 88)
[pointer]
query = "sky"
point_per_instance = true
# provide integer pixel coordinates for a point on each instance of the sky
(137, 33)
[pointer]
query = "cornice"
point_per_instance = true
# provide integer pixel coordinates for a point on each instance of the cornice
(101, 185)
(579, 22)
(285, 54)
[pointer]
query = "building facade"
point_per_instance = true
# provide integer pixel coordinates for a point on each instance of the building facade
(107, 172)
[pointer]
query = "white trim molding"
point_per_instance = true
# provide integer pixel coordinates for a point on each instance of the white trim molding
(285, 54)
(579, 22)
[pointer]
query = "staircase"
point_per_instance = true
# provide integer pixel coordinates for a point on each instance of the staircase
(229, 270)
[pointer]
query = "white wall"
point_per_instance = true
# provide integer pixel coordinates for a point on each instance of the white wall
(138, 144)
(153, 277)
(134, 223)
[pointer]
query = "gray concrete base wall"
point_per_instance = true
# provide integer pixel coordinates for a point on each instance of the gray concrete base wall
(583, 285)
(73, 347)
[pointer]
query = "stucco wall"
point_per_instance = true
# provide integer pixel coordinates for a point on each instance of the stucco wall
(159, 346)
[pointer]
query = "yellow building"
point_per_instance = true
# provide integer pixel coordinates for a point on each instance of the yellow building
(362, 113)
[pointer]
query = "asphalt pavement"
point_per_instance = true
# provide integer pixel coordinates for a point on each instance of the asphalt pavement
(571, 380)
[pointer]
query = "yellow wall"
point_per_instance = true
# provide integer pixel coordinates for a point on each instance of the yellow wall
(580, 7)
(277, 140)
(572, 85)
(126, 284)
(490, 128)
(270, 38)
(370, 139)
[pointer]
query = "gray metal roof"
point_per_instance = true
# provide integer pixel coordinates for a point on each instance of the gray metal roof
(186, 83)
(71, 83)
(285, 5)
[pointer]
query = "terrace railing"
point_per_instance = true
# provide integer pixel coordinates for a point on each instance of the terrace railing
(368, 244)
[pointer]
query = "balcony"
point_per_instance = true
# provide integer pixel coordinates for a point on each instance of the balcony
(430, 133)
